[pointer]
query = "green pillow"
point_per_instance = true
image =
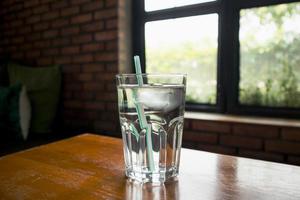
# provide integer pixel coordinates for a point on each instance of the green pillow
(15, 111)
(43, 86)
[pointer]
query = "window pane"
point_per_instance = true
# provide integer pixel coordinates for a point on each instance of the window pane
(270, 56)
(151, 5)
(186, 45)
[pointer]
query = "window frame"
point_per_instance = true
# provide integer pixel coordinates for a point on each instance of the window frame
(228, 55)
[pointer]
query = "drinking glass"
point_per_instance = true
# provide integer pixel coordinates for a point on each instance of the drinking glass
(151, 111)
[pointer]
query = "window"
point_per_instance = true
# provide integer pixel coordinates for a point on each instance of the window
(241, 57)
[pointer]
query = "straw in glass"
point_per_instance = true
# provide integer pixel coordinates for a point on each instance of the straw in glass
(141, 114)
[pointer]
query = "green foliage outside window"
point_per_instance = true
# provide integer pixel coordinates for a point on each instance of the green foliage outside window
(270, 67)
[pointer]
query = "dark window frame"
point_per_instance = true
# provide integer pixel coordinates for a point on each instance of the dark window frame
(228, 51)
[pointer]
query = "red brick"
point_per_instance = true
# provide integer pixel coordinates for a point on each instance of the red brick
(77, 124)
(25, 47)
(10, 17)
(6, 41)
(33, 54)
(46, 1)
(111, 24)
(40, 9)
(51, 52)
(84, 95)
(83, 58)
(216, 149)
(92, 6)
(33, 37)
(107, 35)
(50, 15)
(111, 45)
(50, 34)
(106, 57)
(12, 49)
(44, 61)
(210, 126)
(105, 76)
(186, 124)
(92, 47)
(209, 138)
(81, 18)
(106, 97)
(88, 115)
(94, 86)
(18, 55)
(111, 87)
(94, 105)
(70, 31)
(33, 19)
(41, 26)
(25, 30)
(70, 11)
(112, 116)
(294, 160)
(239, 141)
(82, 39)
(85, 77)
(93, 68)
(23, 14)
(61, 41)
(30, 3)
(112, 67)
(16, 23)
(105, 125)
(282, 147)
(261, 155)
(105, 14)
(59, 4)
(72, 104)
(70, 50)
(11, 32)
(15, 7)
(111, 3)
(73, 87)
(189, 145)
(292, 134)
(111, 106)
(70, 77)
(68, 95)
(60, 23)
(42, 44)
(93, 26)
(256, 131)
(18, 40)
(77, 2)
(71, 68)
(62, 60)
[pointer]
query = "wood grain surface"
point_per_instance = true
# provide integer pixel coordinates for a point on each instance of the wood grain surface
(91, 167)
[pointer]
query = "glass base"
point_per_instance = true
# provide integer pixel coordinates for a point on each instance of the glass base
(151, 177)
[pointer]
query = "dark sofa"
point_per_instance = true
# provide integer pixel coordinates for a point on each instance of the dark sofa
(8, 142)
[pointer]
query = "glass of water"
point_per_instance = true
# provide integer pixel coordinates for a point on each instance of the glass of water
(151, 109)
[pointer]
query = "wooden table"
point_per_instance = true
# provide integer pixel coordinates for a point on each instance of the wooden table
(91, 167)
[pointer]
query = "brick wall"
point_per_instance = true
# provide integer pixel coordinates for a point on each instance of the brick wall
(277, 143)
(81, 36)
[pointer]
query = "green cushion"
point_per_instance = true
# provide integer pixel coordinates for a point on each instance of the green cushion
(43, 86)
(9, 110)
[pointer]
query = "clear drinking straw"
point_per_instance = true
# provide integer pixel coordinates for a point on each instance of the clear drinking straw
(141, 114)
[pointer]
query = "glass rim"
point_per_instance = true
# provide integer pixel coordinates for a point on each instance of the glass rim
(153, 75)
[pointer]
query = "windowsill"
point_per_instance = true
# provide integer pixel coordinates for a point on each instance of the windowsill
(242, 119)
